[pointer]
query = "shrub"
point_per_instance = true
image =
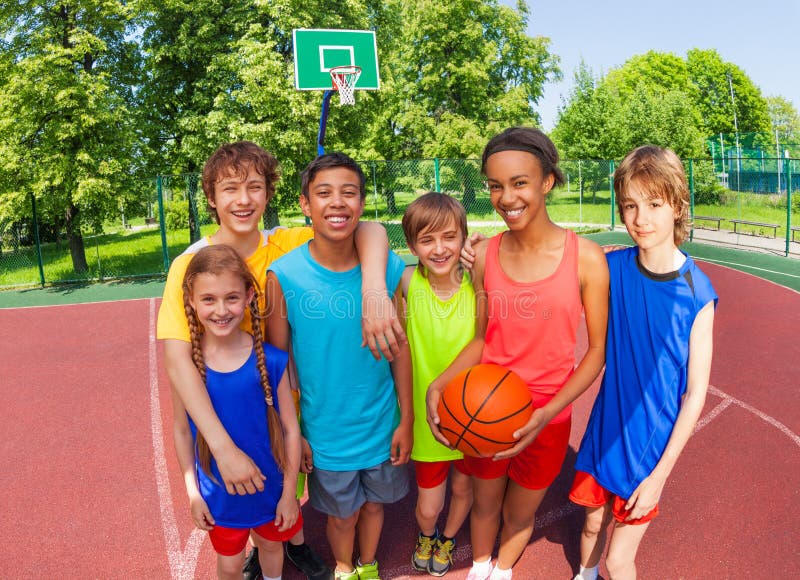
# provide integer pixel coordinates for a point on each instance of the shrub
(176, 214)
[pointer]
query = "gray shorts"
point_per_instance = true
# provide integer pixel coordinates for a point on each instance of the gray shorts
(342, 493)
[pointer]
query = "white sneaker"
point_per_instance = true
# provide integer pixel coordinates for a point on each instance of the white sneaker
(480, 570)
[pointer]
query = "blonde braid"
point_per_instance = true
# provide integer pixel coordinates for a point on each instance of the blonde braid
(273, 419)
(203, 450)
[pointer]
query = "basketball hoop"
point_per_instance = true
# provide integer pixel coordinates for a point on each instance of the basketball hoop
(344, 80)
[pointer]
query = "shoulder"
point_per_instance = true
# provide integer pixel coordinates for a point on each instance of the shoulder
(408, 274)
(591, 258)
(287, 239)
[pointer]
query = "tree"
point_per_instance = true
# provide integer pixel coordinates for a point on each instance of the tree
(710, 75)
(589, 124)
(64, 119)
(461, 71)
(784, 119)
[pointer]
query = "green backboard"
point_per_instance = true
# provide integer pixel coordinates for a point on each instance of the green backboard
(316, 51)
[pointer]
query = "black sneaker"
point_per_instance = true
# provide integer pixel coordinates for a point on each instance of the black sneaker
(252, 567)
(308, 562)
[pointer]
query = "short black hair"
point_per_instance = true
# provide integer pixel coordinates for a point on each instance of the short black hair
(331, 161)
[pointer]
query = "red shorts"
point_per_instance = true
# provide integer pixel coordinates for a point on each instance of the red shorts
(536, 467)
(231, 541)
(587, 492)
(433, 473)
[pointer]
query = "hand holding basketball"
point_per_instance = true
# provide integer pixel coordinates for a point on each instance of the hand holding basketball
(432, 399)
(481, 409)
(527, 433)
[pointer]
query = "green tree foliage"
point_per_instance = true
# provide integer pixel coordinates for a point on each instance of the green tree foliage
(709, 74)
(656, 98)
(784, 119)
(461, 71)
(65, 135)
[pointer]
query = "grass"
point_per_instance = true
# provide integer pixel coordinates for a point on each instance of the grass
(137, 251)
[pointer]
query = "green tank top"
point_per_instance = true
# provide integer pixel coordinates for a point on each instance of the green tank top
(437, 331)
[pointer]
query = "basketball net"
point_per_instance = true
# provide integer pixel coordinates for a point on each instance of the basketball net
(344, 80)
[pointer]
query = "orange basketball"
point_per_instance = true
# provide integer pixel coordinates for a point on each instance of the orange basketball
(482, 407)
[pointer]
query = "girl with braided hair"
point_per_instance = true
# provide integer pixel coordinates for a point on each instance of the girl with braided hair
(249, 389)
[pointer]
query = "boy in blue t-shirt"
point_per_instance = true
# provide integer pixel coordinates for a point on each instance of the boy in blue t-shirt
(356, 411)
(658, 361)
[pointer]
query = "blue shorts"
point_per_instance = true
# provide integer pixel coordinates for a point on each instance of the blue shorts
(342, 493)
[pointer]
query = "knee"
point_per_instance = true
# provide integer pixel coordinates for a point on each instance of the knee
(342, 525)
(372, 509)
(594, 524)
(485, 509)
(428, 510)
(228, 568)
(619, 565)
(461, 490)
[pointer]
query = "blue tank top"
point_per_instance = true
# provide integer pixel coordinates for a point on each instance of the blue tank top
(650, 318)
(238, 400)
(348, 403)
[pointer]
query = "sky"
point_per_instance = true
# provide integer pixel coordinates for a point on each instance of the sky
(759, 37)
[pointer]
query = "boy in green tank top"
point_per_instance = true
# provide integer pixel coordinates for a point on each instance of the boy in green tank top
(440, 322)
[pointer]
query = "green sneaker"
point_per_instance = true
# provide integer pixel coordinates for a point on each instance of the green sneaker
(421, 558)
(368, 571)
(339, 575)
(442, 558)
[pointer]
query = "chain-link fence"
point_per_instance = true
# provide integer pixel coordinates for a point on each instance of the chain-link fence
(753, 206)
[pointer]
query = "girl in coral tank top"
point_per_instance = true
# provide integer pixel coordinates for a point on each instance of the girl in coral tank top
(532, 283)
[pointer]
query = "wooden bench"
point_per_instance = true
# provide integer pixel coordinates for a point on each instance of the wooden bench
(794, 229)
(149, 221)
(709, 218)
(755, 224)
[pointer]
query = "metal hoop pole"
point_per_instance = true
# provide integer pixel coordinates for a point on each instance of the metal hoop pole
(323, 121)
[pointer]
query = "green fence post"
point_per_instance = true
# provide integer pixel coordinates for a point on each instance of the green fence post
(162, 222)
(788, 205)
(36, 238)
(691, 197)
(611, 191)
(374, 189)
(436, 174)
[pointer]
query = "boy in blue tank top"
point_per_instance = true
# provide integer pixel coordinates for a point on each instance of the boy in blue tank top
(356, 411)
(658, 361)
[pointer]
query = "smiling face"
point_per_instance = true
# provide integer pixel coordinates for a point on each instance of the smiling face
(240, 200)
(517, 186)
(439, 249)
(334, 203)
(220, 301)
(650, 220)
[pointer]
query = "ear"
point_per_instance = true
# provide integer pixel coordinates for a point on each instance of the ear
(250, 293)
(549, 181)
(211, 202)
(413, 251)
(305, 205)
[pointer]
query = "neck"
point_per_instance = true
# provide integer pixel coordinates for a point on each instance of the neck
(444, 286)
(212, 344)
(661, 260)
(244, 244)
(339, 256)
(537, 235)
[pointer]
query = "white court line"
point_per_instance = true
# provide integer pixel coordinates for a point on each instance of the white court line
(182, 563)
(761, 415)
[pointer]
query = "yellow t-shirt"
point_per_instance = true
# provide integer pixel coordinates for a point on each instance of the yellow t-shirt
(172, 323)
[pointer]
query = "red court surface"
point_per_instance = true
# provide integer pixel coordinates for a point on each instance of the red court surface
(91, 489)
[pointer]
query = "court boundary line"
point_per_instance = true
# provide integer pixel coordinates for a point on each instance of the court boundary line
(182, 563)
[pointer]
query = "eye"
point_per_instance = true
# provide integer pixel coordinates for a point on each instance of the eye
(520, 183)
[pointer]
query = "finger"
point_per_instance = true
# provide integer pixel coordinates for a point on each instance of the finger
(209, 518)
(391, 343)
(372, 343)
(230, 488)
(399, 333)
